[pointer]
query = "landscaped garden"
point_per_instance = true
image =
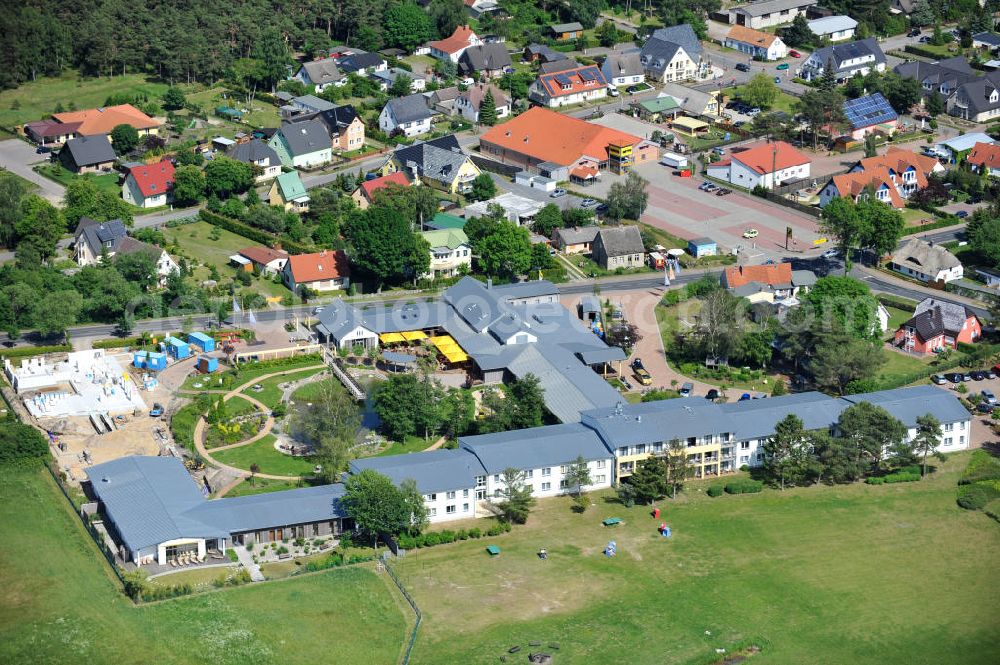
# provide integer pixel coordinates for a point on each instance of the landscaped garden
(267, 458)
(232, 421)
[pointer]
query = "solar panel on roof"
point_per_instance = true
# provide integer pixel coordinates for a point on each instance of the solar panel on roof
(562, 78)
(587, 75)
(870, 110)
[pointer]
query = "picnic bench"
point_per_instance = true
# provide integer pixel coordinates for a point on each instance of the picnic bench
(493, 550)
(612, 521)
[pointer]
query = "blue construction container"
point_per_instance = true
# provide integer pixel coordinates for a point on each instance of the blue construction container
(207, 364)
(202, 341)
(149, 360)
(177, 348)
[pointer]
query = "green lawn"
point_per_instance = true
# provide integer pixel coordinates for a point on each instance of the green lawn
(897, 317)
(783, 102)
(267, 458)
(61, 604)
(262, 114)
(856, 574)
(303, 394)
(899, 364)
(38, 99)
(412, 444)
(271, 393)
(261, 486)
(105, 183)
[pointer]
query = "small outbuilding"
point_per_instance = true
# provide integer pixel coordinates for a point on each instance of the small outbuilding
(202, 341)
(207, 364)
(700, 247)
(149, 360)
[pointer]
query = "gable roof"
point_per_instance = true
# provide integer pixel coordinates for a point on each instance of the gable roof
(985, 154)
(338, 118)
(129, 245)
(535, 448)
(312, 103)
(369, 187)
(477, 93)
(898, 160)
(923, 256)
(306, 137)
(485, 57)
(566, 27)
(105, 118)
(570, 81)
(934, 317)
(953, 71)
(554, 66)
(462, 38)
(290, 185)
(253, 151)
(263, 255)
(772, 6)
(51, 127)
(840, 53)
(622, 63)
(869, 110)
(990, 38)
(968, 141)
(555, 137)
(770, 157)
(771, 275)
(577, 235)
(95, 234)
(328, 264)
(323, 72)
(830, 24)
(439, 159)
(411, 108)
(690, 100)
(545, 53)
(877, 177)
(450, 238)
(745, 35)
(908, 404)
(153, 179)
(976, 93)
(682, 35)
(90, 150)
(621, 240)
(432, 471)
(357, 61)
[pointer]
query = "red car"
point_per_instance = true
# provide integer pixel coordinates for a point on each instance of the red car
(794, 54)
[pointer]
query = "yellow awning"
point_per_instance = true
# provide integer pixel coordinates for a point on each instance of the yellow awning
(412, 335)
(456, 356)
(691, 124)
(389, 338)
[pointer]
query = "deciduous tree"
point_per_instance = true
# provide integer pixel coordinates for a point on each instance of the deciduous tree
(760, 91)
(189, 185)
(406, 26)
(124, 139)
(376, 505)
(515, 496)
(871, 432)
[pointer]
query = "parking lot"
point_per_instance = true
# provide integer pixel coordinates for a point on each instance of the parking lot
(18, 157)
(981, 430)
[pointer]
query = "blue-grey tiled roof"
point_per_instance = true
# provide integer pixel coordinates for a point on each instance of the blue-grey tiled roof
(433, 470)
(535, 448)
(906, 404)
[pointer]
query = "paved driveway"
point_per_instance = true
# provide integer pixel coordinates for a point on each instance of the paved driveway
(18, 157)
(678, 207)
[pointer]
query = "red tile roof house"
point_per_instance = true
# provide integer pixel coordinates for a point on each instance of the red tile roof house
(452, 48)
(985, 156)
(570, 86)
(764, 164)
(149, 185)
(322, 271)
(937, 325)
(265, 259)
(365, 194)
(894, 176)
(51, 132)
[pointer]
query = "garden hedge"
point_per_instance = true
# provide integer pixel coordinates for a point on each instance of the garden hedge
(715, 490)
(251, 233)
(745, 486)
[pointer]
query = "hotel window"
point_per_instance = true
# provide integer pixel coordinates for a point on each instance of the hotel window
(600, 464)
(449, 509)
(480, 481)
(949, 427)
(947, 441)
(496, 477)
(961, 439)
(744, 445)
(546, 487)
(465, 494)
(451, 495)
(496, 494)
(432, 497)
(562, 469)
(547, 471)
(600, 479)
(623, 450)
(465, 507)
(640, 449)
(433, 512)
(744, 459)
(529, 473)
(961, 425)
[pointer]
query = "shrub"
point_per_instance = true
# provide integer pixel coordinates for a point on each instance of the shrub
(973, 497)
(461, 535)
(407, 542)
(447, 537)
(475, 532)
(21, 444)
(875, 481)
(715, 490)
(431, 539)
(902, 477)
(745, 486)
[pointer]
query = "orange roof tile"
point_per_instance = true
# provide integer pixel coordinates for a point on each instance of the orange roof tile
(554, 137)
(463, 37)
(768, 157)
(153, 179)
(263, 255)
(747, 35)
(103, 120)
(854, 183)
(585, 172)
(328, 264)
(369, 187)
(898, 160)
(578, 79)
(985, 154)
(778, 273)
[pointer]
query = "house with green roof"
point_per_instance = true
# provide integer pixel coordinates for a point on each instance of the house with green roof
(443, 220)
(451, 253)
(654, 110)
(288, 192)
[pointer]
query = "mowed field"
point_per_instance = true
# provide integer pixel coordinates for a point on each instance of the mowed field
(858, 574)
(60, 604)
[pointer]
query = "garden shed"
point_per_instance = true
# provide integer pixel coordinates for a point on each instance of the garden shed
(700, 247)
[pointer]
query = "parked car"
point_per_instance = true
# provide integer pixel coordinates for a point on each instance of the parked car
(925, 40)
(742, 67)
(990, 374)
(938, 379)
(156, 411)
(988, 396)
(794, 54)
(967, 377)
(954, 377)
(557, 193)
(687, 389)
(637, 363)
(613, 91)
(751, 233)
(913, 33)
(712, 394)
(744, 397)
(782, 67)
(632, 89)
(986, 407)
(719, 151)
(643, 377)
(962, 214)
(709, 187)
(724, 191)
(43, 149)
(831, 254)
(754, 112)
(977, 375)
(588, 203)
(601, 209)
(317, 310)
(705, 185)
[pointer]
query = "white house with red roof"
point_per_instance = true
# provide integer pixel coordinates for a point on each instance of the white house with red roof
(764, 164)
(364, 195)
(323, 271)
(570, 86)
(985, 156)
(452, 48)
(894, 177)
(149, 185)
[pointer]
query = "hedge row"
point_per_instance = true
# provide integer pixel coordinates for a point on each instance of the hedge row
(335, 560)
(715, 490)
(249, 232)
(896, 301)
(897, 477)
(982, 466)
(745, 486)
(975, 497)
(447, 536)
(27, 351)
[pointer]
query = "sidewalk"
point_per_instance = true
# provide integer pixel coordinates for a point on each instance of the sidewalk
(247, 561)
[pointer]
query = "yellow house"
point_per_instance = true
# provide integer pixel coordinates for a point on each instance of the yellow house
(439, 163)
(288, 192)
